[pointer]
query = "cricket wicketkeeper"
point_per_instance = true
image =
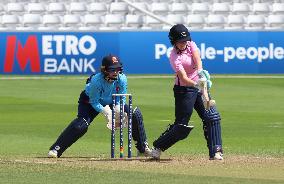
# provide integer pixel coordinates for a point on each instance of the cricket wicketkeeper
(96, 99)
(189, 93)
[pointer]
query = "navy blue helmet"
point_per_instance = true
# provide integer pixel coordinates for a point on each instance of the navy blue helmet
(179, 33)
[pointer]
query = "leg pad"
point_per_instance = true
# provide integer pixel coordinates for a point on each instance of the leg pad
(212, 131)
(138, 130)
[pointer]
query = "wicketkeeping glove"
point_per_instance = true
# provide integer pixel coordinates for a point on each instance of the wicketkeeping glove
(117, 118)
(107, 114)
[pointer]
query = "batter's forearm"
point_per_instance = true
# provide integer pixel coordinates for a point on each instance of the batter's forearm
(197, 59)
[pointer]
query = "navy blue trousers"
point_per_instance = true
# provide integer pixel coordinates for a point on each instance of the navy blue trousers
(85, 110)
(187, 99)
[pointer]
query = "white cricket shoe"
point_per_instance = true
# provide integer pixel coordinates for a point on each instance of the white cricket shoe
(147, 152)
(218, 156)
(52, 154)
(156, 153)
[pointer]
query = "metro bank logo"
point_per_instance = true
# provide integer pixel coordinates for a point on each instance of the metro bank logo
(23, 54)
(49, 54)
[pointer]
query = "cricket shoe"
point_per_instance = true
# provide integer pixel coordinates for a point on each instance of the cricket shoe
(147, 152)
(52, 154)
(217, 156)
(156, 153)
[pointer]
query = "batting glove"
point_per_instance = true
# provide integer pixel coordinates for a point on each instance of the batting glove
(204, 74)
(200, 83)
(209, 84)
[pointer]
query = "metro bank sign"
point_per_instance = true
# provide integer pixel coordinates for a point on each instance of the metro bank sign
(48, 54)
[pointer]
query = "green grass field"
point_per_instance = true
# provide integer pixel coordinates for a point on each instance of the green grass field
(34, 112)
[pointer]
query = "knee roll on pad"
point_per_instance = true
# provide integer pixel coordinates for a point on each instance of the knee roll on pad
(138, 130)
(212, 115)
(171, 136)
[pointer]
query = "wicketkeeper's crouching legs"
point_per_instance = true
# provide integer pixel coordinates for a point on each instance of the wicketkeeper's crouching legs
(76, 129)
(79, 126)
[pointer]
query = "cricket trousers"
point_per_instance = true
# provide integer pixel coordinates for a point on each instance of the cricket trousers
(78, 127)
(187, 99)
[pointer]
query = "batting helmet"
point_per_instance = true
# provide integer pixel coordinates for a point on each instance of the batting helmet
(179, 33)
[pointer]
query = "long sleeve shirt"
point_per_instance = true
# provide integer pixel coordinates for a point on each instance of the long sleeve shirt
(100, 91)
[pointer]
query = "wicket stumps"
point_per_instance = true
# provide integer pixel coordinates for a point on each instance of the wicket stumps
(121, 107)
